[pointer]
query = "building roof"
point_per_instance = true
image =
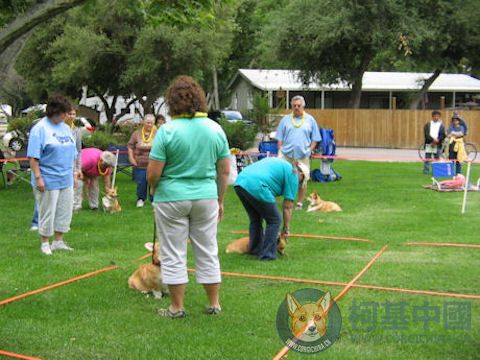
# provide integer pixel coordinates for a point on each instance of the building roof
(372, 81)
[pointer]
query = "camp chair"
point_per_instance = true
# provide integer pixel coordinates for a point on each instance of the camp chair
(442, 169)
(21, 170)
(267, 147)
(124, 164)
(326, 147)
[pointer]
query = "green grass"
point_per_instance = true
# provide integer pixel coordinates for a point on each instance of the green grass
(100, 318)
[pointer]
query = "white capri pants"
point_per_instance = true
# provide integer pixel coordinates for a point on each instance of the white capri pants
(54, 210)
(177, 222)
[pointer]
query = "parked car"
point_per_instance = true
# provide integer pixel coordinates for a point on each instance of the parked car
(232, 116)
(17, 140)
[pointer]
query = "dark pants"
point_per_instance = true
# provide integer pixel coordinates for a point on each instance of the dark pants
(140, 177)
(262, 244)
(452, 155)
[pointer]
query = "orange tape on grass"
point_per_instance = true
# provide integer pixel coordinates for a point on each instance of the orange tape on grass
(30, 293)
(18, 356)
(281, 354)
(477, 246)
(311, 236)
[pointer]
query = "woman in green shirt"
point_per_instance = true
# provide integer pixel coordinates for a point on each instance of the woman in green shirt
(188, 170)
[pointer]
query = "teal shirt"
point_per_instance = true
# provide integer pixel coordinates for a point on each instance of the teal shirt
(190, 149)
(269, 178)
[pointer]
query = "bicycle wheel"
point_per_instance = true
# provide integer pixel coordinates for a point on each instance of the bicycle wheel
(471, 151)
(421, 151)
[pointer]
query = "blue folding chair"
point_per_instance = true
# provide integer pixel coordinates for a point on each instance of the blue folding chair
(124, 164)
(267, 147)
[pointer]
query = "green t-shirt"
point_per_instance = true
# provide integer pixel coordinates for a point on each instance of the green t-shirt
(190, 149)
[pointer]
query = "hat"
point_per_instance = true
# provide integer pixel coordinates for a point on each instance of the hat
(108, 158)
(305, 171)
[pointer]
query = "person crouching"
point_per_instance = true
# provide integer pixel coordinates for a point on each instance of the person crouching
(96, 163)
(257, 186)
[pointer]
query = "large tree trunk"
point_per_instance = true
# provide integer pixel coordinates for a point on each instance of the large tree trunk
(356, 95)
(426, 85)
(35, 16)
(357, 82)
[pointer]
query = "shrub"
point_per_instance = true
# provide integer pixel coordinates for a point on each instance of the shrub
(101, 139)
(239, 134)
(22, 124)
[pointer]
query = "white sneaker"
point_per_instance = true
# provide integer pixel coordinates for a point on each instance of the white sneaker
(34, 228)
(46, 249)
(140, 203)
(60, 245)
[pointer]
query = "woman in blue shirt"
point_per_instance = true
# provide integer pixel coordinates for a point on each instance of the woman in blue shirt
(257, 186)
(52, 153)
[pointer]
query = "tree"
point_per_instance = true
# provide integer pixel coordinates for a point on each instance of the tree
(443, 36)
(115, 51)
(333, 41)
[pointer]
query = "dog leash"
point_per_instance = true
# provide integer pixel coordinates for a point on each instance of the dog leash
(154, 240)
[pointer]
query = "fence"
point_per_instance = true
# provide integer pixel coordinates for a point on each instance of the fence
(387, 128)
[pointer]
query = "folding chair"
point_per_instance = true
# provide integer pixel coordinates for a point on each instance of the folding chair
(442, 169)
(22, 170)
(123, 161)
(267, 147)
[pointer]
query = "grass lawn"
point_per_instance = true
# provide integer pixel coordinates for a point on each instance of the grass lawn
(100, 318)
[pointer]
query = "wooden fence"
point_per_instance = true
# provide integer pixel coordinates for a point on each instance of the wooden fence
(387, 128)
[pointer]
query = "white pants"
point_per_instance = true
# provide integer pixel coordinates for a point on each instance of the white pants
(92, 192)
(54, 210)
(177, 222)
(78, 195)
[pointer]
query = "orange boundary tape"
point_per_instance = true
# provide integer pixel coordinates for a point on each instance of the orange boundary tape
(283, 352)
(442, 244)
(310, 236)
(37, 291)
(18, 356)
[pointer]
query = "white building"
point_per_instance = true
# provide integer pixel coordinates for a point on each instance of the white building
(378, 90)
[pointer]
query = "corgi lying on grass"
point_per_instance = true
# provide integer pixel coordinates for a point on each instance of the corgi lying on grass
(240, 246)
(317, 204)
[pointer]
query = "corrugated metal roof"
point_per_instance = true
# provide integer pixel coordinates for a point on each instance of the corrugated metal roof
(372, 81)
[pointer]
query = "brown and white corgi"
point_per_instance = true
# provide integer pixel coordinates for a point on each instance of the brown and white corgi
(147, 278)
(110, 201)
(240, 246)
(317, 204)
(309, 321)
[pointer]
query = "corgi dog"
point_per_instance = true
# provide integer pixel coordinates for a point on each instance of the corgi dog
(110, 201)
(240, 246)
(146, 278)
(317, 204)
(308, 321)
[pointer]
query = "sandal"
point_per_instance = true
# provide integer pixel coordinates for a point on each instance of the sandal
(212, 310)
(173, 315)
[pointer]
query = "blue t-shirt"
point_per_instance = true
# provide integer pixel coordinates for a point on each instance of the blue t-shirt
(297, 140)
(54, 146)
(460, 128)
(269, 178)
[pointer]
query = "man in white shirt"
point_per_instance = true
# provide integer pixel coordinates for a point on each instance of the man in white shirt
(434, 132)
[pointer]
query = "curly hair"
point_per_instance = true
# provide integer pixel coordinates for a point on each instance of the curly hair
(57, 105)
(185, 96)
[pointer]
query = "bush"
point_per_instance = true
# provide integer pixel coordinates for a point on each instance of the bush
(101, 139)
(22, 124)
(239, 134)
